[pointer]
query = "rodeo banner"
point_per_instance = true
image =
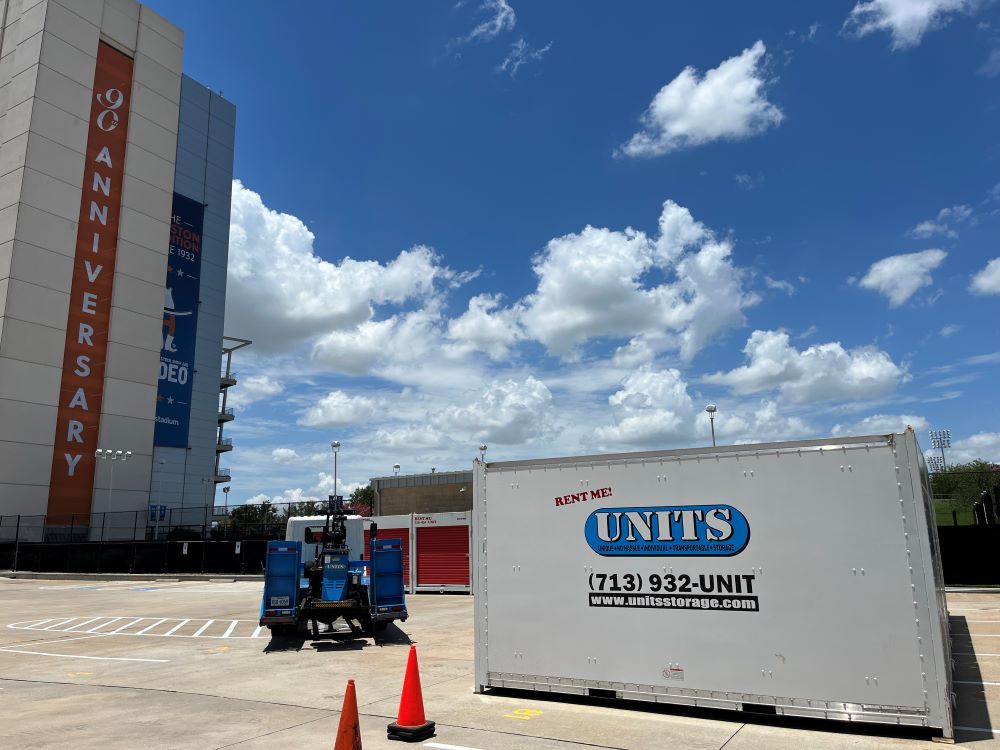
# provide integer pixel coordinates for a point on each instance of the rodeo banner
(180, 323)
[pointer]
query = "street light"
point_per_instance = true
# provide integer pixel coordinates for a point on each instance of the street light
(114, 455)
(335, 446)
(941, 439)
(225, 491)
(482, 452)
(711, 409)
(395, 470)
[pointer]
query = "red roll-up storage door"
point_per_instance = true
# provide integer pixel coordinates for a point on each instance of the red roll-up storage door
(386, 534)
(443, 555)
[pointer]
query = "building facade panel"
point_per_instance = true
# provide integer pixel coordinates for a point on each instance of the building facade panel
(28, 381)
(64, 58)
(46, 230)
(40, 267)
(38, 304)
(54, 159)
(25, 422)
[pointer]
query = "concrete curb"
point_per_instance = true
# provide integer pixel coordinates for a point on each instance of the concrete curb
(220, 577)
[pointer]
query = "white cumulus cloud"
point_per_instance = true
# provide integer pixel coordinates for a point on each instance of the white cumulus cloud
(728, 103)
(652, 406)
(480, 328)
(282, 293)
(819, 373)
(898, 277)
(253, 388)
(881, 424)
(339, 409)
(987, 281)
(906, 20)
(505, 411)
(591, 284)
(983, 445)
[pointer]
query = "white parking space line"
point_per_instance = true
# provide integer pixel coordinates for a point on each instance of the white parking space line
(152, 626)
(81, 624)
(104, 624)
(10, 650)
(127, 625)
(61, 622)
(970, 653)
(35, 625)
(78, 656)
(177, 627)
(442, 746)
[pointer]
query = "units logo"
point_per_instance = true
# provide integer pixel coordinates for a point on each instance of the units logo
(668, 531)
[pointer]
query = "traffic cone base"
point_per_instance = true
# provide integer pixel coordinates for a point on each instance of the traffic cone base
(411, 725)
(411, 734)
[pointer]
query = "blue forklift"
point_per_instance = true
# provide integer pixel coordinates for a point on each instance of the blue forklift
(366, 594)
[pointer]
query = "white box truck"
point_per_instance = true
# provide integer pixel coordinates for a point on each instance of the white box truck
(797, 578)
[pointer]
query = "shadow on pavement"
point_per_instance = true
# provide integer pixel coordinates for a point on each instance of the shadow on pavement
(341, 639)
(971, 708)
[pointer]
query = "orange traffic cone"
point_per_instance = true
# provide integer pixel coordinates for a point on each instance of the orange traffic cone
(411, 725)
(349, 731)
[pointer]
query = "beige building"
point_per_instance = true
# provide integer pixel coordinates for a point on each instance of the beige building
(90, 97)
(435, 492)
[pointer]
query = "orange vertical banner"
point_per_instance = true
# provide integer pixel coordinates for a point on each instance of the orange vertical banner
(85, 353)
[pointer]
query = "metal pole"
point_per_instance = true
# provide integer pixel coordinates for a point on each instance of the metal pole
(104, 517)
(72, 525)
(135, 526)
(17, 541)
(712, 420)
(111, 482)
(943, 462)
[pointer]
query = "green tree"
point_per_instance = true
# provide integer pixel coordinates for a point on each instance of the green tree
(306, 508)
(964, 484)
(363, 501)
(257, 518)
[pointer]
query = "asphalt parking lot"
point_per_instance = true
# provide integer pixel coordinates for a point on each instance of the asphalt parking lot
(184, 665)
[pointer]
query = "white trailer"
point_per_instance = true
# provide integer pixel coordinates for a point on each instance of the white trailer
(798, 578)
(296, 531)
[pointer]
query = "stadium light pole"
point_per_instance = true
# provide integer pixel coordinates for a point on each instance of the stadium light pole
(482, 452)
(335, 446)
(941, 439)
(113, 455)
(711, 409)
(395, 470)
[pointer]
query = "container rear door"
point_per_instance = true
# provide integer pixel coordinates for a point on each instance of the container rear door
(443, 556)
(400, 535)
(281, 577)
(388, 575)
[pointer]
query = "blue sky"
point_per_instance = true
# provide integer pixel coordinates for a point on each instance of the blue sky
(565, 227)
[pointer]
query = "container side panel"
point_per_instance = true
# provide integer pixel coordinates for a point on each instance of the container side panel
(783, 573)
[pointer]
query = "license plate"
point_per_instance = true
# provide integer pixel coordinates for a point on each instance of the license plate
(279, 601)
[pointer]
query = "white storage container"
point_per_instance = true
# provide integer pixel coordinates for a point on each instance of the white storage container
(800, 578)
